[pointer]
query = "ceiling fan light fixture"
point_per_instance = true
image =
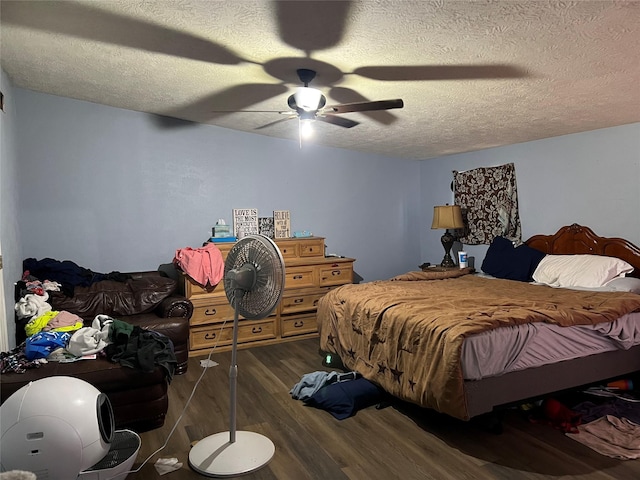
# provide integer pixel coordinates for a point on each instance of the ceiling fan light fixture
(306, 128)
(307, 98)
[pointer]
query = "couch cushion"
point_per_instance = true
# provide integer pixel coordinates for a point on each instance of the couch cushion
(116, 299)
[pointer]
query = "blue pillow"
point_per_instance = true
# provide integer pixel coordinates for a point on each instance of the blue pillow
(344, 399)
(504, 261)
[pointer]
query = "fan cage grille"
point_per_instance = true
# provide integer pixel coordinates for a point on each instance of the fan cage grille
(261, 252)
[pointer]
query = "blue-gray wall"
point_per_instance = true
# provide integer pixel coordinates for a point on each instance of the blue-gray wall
(590, 178)
(110, 189)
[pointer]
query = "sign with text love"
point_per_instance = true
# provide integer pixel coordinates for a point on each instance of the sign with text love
(245, 222)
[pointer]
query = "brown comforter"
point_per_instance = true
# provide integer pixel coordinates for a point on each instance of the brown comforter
(406, 335)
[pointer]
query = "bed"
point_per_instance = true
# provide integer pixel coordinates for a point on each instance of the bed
(409, 334)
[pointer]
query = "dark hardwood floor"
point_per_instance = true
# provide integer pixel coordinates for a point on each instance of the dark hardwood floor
(398, 442)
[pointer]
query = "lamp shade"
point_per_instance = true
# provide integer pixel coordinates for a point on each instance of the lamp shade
(447, 216)
(308, 99)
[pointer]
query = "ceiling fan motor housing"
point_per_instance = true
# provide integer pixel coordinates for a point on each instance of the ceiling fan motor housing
(305, 75)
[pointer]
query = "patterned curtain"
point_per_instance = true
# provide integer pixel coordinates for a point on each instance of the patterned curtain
(488, 198)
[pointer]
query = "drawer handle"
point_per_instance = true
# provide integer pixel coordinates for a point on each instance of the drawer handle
(298, 323)
(210, 312)
(298, 300)
(256, 330)
(210, 336)
(315, 302)
(335, 273)
(297, 277)
(334, 265)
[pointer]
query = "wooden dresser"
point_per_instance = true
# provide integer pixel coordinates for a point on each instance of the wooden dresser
(308, 276)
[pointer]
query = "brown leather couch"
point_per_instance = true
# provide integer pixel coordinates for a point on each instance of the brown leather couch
(147, 300)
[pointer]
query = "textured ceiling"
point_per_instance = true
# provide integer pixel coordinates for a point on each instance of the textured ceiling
(472, 74)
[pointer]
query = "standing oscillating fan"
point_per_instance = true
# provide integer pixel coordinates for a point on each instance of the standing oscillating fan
(253, 281)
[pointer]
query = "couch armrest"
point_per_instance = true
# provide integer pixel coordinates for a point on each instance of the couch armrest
(175, 306)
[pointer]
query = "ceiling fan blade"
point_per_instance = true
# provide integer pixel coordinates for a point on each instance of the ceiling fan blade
(335, 120)
(347, 96)
(281, 112)
(89, 22)
(233, 99)
(365, 106)
(440, 72)
(281, 120)
(311, 25)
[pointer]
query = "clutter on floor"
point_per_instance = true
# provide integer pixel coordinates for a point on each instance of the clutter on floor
(167, 465)
(605, 418)
(340, 394)
(611, 436)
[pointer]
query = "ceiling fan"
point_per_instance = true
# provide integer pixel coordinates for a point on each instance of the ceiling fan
(308, 104)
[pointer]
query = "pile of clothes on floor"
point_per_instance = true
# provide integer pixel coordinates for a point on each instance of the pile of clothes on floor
(341, 394)
(604, 418)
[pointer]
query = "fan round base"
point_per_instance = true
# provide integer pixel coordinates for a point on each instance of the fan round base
(215, 456)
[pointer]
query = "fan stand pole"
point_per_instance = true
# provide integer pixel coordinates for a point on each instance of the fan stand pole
(228, 454)
(233, 374)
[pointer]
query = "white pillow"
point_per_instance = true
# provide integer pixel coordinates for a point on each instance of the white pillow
(618, 284)
(624, 284)
(579, 270)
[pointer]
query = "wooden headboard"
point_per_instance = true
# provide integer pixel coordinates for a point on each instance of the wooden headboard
(576, 239)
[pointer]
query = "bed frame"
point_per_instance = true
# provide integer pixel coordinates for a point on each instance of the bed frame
(483, 396)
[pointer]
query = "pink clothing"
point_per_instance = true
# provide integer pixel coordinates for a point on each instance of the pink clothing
(611, 436)
(64, 319)
(204, 265)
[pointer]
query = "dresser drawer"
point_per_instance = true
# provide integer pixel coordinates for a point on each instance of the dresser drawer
(312, 248)
(261, 330)
(210, 336)
(224, 248)
(300, 277)
(336, 274)
(206, 311)
(191, 289)
(296, 248)
(288, 250)
(301, 301)
(298, 325)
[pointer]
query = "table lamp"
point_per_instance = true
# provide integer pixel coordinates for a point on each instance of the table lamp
(447, 216)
